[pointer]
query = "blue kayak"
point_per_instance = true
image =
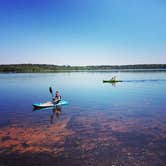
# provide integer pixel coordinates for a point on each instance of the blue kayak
(50, 104)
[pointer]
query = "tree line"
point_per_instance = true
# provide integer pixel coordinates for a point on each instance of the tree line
(35, 68)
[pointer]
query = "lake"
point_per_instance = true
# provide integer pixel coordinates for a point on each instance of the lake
(103, 124)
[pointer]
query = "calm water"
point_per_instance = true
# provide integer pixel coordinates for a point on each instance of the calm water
(104, 124)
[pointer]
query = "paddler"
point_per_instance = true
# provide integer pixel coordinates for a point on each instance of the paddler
(113, 78)
(57, 97)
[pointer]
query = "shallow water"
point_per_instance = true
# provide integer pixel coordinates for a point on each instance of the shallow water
(104, 124)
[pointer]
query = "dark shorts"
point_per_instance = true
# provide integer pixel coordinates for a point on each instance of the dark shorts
(56, 102)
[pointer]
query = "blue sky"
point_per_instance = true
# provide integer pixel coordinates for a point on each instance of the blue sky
(83, 32)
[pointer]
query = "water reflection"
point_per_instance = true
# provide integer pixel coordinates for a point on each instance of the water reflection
(113, 84)
(56, 111)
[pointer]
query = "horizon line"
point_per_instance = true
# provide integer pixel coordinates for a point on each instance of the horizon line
(83, 65)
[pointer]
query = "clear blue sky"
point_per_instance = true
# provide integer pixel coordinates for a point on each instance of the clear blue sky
(83, 32)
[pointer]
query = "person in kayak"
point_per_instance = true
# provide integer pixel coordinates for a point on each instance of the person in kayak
(57, 97)
(113, 78)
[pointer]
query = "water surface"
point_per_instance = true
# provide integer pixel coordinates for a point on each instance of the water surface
(104, 124)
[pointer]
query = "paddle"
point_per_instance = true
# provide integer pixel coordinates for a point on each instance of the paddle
(50, 89)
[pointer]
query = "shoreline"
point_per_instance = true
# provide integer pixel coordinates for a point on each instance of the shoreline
(44, 68)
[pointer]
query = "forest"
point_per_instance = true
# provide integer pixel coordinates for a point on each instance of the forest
(37, 68)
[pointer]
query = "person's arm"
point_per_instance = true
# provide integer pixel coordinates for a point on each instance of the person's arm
(57, 98)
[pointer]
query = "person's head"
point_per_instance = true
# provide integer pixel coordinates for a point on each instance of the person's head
(57, 93)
